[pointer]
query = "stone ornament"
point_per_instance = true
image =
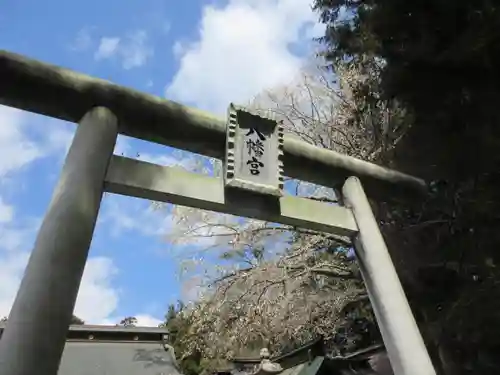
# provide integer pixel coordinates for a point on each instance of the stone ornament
(266, 366)
(254, 152)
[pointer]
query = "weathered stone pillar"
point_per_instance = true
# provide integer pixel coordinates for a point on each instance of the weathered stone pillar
(35, 335)
(402, 338)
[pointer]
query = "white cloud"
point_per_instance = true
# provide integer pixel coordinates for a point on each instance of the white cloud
(122, 146)
(243, 48)
(83, 40)
(58, 138)
(11, 269)
(97, 297)
(316, 31)
(129, 215)
(192, 289)
(179, 49)
(108, 47)
(177, 158)
(6, 212)
(166, 26)
(11, 263)
(145, 320)
(133, 50)
(136, 51)
(16, 151)
(25, 138)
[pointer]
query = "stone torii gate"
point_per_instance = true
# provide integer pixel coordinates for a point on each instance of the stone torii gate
(256, 154)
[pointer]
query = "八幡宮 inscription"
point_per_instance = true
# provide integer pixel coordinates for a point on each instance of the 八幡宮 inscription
(254, 150)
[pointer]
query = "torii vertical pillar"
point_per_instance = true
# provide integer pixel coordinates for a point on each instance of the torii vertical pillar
(402, 338)
(35, 335)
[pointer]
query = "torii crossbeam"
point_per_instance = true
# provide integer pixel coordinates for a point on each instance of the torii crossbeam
(34, 338)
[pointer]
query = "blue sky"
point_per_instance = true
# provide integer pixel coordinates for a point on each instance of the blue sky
(201, 53)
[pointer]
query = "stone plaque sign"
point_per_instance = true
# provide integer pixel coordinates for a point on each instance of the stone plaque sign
(254, 152)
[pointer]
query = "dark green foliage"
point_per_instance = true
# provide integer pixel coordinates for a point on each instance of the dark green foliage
(178, 326)
(358, 329)
(77, 321)
(439, 59)
(130, 321)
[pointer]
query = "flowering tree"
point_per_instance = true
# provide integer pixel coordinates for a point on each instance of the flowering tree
(266, 284)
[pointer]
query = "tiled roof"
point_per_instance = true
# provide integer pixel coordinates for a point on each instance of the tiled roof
(117, 350)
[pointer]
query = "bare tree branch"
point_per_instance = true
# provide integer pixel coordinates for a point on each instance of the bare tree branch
(284, 284)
